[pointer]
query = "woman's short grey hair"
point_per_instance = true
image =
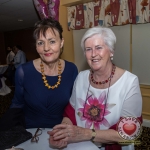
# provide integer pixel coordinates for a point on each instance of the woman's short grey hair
(105, 33)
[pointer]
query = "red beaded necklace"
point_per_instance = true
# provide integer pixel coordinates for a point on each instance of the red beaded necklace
(105, 81)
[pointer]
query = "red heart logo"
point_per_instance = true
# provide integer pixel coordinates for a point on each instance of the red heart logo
(129, 128)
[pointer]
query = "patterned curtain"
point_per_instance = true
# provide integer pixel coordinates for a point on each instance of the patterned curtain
(108, 13)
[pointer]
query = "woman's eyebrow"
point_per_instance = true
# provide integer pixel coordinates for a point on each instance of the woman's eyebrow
(98, 45)
(51, 39)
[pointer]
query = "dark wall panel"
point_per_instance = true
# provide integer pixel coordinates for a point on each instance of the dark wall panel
(25, 39)
(2, 49)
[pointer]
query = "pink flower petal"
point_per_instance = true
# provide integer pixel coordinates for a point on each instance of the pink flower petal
(102, 97)
(101, 106)
(81, 110)
(89, 94)
(83, 118)
(105, 123)
(90, 100)
(88, 123)
(109, 106)
(87, 107)
(107, 112)
(96, 125)
(81, 101)
(95, 102)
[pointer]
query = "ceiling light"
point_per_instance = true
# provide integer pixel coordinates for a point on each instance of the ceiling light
(20, 20)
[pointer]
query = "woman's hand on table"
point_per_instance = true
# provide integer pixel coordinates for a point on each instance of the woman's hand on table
(67, 133)
(56, 143)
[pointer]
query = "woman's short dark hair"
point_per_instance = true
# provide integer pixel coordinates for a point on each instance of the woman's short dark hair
(9, 46)
(42, 26)
(19, 47)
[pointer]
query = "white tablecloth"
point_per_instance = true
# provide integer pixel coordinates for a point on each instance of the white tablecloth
(43, 143)
(3, 68)
(4, 90)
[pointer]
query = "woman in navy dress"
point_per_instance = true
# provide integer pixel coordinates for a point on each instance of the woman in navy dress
(43, 86)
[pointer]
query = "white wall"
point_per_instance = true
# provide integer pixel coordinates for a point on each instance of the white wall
(80, 60)
(141, 52)
(122, 48)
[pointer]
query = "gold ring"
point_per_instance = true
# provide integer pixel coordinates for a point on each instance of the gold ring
(68, 134)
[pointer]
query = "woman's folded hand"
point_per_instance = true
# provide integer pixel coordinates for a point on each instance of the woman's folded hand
(56, 143)
(69, 133)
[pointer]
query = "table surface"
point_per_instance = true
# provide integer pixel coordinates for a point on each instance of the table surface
(43, 143)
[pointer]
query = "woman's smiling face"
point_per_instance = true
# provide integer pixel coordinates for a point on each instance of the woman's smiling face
(48, 46)
(97, 52)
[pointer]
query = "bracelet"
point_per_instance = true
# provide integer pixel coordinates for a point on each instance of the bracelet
(93, 135)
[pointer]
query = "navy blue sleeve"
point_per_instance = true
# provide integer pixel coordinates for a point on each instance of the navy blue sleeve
(75, 73)
(18, 99)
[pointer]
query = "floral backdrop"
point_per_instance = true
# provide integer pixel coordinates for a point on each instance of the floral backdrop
(108, 13)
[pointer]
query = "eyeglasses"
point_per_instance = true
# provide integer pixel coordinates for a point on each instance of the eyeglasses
(95, 109)
(35, 138)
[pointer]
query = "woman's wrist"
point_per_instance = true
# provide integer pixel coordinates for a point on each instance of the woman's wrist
(64, 122)
(85, 134)
(93, 135)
